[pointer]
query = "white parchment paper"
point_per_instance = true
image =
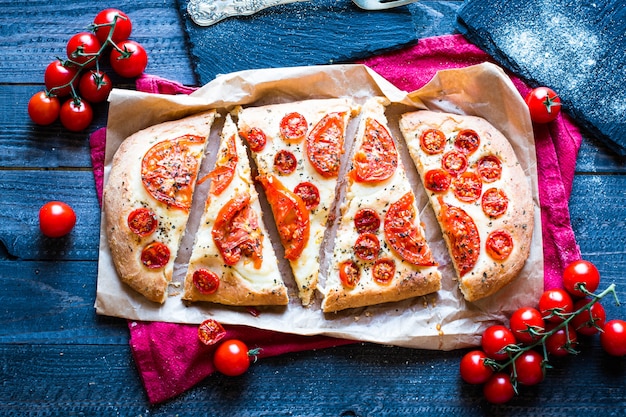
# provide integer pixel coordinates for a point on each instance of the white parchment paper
(443, 320)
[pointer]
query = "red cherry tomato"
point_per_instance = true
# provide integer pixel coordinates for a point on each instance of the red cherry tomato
(554, 304)
(129, 59)
(95, 86)
(43, 108)
(210, 332)
(103, 23)
(76, 115)
(231, 357)
(473, 368)
(525, 323)
(495, 339)
(59, 78)
(544, 104)
(613, 339)
(83, 48)
(562, 342)
(529, 368)
(499, 389)
(56, 219)
(588, 321)
(581, 273)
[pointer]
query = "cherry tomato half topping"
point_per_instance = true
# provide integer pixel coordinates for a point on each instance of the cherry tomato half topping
(383, 271)
(555, 304)
(494, 202)
(494, 339)
(437, 180)
(156, 255)
(489, 168)
(324, 145)
(129, 59)
(581, 273)
(454, 162)
(285, 162)
(293, 127)
(544, 104)
(613, 339)
(256, 139)
(56, 219)
(205, 281)
(377, 158)
(366, 220)
(467, 187)
(499, 244)
(526, 324)
(105, 21)
(231, 357)
(44, 108)
(349, 274)
(473, 369)
(210, 332)
(308, 193)
(142, 221)
(467, 141)
(433, 141)
(367, 246)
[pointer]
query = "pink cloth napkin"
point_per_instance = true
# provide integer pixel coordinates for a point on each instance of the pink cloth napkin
(169, 357)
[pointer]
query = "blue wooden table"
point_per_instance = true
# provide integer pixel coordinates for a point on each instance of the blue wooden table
(57, 357)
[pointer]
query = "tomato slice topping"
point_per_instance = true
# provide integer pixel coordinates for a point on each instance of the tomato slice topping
(489, 168)
(169, 170)
(494, 202)
(210, 332)
(293, 127)
(467, 141)
(467, 187)
(366, 220)
(499, 244)
(142, 221)
(403, 234)
(285, 162)
(309, 194)
(236, 232)
(463, 235)
(205, 281)
(383, 271)
(433, 141)
(225, 166)
(324, 145)
(156, 255)
(256, 138)
(290, 214)
(367, 247)
(349, 274)
(437, 180)
(377, 158)
(454, 162)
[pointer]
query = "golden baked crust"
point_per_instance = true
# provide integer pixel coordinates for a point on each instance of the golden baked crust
(243, 283)
(488, 275)
(124, 192)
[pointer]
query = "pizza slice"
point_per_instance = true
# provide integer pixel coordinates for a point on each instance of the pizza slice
(233, 261)
(480, 194)
(147, 199)
(297, 148)
(380, 251)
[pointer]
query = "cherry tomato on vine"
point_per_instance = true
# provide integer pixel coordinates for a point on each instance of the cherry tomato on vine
(581, 272)
(129, 60)
(82, 48)
(588, 321)
(59, 78)
(544, 104)
(529, 368)
(43, 108)
(499, 388)
(613, 339)
(95, 86)
(231, 357)
(525, 323)
(76, 115)
(495, 338)
(473, 369)
(103, 24)
(555, 302)
(563, 341)
(56, 219)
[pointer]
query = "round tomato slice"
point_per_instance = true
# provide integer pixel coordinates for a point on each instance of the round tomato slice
(489, 168)
(142, 221)
(467, 187)
(377, 158)
(256, 139)
(349, 274)
(467, 141)
(285, 162)
(293, 127)
(454, 162)
(463, 235)
(494, 202)
(290, 214)
(383, 271)
(169, 170)
(403, 235)
(225, 166)
(210, 332)
(437, 180)
(309, 194)
(156, 255)
(433, 141)
(366, 220)
(499, 244)
(324, 145)
(236, 232)
(205, 281)
(367, 247)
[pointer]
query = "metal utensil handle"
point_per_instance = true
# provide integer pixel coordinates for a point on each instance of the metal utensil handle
(208, 12)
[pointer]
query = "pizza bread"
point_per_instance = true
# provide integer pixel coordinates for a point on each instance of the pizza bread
(479, 193)
(233, 260)
(380, 252)
(147, 198)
